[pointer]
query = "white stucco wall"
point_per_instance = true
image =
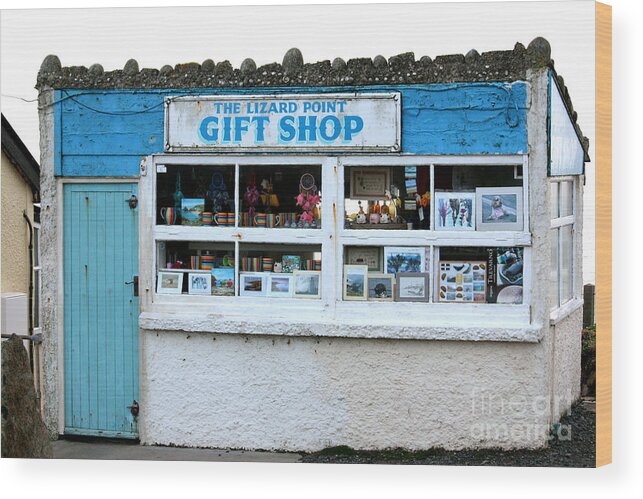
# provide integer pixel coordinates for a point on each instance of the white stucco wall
(261, 392)
(566, 385)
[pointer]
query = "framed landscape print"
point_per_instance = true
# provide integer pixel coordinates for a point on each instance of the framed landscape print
(355, 282)
(380, 287)
(413, 286)
(306, 284)
(252, 284)
(169, 283)
(404, 259)
(499, 208)
(279, 285)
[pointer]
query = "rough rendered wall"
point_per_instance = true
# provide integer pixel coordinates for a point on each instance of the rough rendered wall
(49, 262)
(16, 198)
(266, 392)
(567, 363)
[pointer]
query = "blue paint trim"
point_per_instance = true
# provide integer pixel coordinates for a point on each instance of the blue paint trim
(100, 433)
(104, 133)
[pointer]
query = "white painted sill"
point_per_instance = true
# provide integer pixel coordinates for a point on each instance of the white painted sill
(565, 311)
(332, 327)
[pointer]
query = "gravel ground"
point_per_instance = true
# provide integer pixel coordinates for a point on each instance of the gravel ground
(579, 451)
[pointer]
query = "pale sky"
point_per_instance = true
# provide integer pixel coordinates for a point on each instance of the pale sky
(158, 36)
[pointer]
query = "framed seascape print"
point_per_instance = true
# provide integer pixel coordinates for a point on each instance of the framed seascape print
(252, 284)
(355, 282)
(462, 281)
(280, 285)
(223, 281)
(191, 211)
(404, 259)
(169, 283)
(369, 183)
(454, 211)
(199, 283)
(412, 286)
(499, 208)
(371, 256)
(380, 287)
(306, 284)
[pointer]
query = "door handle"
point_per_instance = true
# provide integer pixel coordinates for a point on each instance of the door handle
(134, 281)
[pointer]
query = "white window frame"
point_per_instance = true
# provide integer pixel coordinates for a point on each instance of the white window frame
(561, 308)
(331, 309)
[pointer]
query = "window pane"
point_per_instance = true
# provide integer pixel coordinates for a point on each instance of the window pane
(288, 196)
(566, 263)
(566, 199)
(554, 281)
(186, 193)
(553, 199)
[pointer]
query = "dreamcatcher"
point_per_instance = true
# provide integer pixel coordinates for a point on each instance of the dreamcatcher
(308, 200)
(218, 193)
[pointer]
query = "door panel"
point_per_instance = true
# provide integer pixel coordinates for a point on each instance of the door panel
(101, 311)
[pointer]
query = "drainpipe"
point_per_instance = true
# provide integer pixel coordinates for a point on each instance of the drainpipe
(32, 351)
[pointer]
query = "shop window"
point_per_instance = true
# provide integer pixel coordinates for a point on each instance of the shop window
(562, 241)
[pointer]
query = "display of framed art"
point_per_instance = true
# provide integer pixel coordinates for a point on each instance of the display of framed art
(355, 282)
(252, 284)
(306, 284)
(404, 259)
(223, 281)
(191, 211)
(454, 211)
(462, 281)
(369, 183)
(499, 208)
(412, 286)
(169, 283)
(371, 256)
(199, 283)
(381, 287)
(279, 285)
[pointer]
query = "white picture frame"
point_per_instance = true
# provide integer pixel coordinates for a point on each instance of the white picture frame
(455, 211)
(199, 283)
(355, 283)
(169, 283)
(404, 259)
(279, 285)
(306, 284)
(499, 208)
(252, 284)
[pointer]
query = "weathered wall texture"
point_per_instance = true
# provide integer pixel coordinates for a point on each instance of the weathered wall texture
(306, 394)
(16, 198)
(566, 337)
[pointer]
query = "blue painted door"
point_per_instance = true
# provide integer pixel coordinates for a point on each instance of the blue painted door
(101, 311)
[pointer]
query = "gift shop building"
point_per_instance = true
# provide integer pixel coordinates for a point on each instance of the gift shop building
(374, 253)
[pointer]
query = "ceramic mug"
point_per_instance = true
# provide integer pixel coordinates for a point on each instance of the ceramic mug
(207, 262)
(195, 262)
(169, 215)
(267, 264)
(272, 220)
(228, 261)
(206, 218)
(224, 219)
(260, 220)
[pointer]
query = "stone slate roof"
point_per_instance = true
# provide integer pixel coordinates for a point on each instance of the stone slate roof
(402, 69)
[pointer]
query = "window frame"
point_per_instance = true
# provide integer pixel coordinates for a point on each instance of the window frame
(556, 224)
(333, 237)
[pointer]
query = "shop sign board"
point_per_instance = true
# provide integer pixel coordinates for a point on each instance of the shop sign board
(294, 122)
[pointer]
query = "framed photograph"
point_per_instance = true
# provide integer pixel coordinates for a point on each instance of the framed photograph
(355, 282)
(380, 287)
(199, 283)
(371, 256)
(404, 259)
(412, 286)
(223, 281)
(191, 211)
(462, 281)
(252, 284)
(369, 183)
(454, 211)
(280, 285)
(169, 283)
(306, 284)
(499, 208)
